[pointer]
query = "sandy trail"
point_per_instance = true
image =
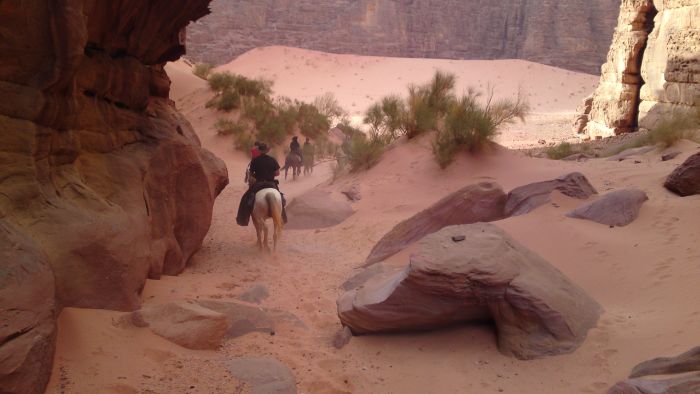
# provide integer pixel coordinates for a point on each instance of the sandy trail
(644, 275)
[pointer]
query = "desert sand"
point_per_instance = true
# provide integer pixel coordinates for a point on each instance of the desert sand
(644, 275)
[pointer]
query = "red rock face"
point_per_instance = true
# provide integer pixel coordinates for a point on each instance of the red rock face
(101, 180)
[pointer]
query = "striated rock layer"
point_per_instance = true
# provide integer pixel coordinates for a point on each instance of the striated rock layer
(539, 30)
(102, 182)
(476, 272)
(652, 69)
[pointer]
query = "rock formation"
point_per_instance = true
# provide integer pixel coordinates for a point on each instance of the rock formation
(539, 30)
(476, 272)
(618, 208)
(525, 199)
(103, 183)
(482, 202)
(685, 179)
(681, 375)
(317, 209)
(186, 323)
(653, 67)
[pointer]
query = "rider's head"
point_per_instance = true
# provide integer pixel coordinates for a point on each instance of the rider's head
(263, 148)
(257, 143)
(294, 138)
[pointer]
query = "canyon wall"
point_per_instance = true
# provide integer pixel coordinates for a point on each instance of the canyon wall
(652, 69)
(573, 34)
(102, 182)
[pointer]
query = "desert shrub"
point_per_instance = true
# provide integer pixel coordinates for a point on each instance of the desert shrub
(420, 116)
(228, 127)
(560, 151)
(672, 129)
(218, 82)
(312, 123)
(202, 70)
(440, 92)
(243, 142)
(272, 130)
(226, 101)
(259, 110)
(666, 133)
(329, 107)
(386, 118)
(364, 152)
(471, 126)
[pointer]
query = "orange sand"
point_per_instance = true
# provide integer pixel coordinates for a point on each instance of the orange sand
(644, 275)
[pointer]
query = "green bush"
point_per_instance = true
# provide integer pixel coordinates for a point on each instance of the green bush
(243, 142)
(440, 92)
(560, 151)
(258, 110)
(420, 116)
(312, 123)
(202, 70)
(472, 127)
(386, 118)
(272, 131)
(364, 152)
(218, 82)
(666, 133)
(228, 127)
(329, 107)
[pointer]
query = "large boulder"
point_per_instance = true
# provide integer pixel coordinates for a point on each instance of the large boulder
(685, 179)
(186, 323)
(27, 313)
(686, 364)
(317, 209)
(482, 202)
(476, 272)
(98, 167)
(525, 199)
(618, 208)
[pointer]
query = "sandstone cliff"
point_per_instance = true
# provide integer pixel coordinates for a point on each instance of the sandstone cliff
(572, 34)
(653, 67)
(102, 182)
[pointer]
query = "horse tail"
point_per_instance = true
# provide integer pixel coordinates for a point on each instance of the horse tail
(275, 206)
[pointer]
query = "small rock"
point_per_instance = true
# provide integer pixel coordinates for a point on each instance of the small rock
(342, 337)
(618, 208)
(670, 155)
(685, 179)
(254, 294)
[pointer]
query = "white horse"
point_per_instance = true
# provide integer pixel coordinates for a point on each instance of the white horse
(268, 204)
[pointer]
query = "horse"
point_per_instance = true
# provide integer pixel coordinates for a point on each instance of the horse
(268, 204)
(292, 160)
(308, 163)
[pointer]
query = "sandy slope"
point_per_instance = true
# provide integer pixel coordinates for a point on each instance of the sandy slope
(358, 81)
(644, 275)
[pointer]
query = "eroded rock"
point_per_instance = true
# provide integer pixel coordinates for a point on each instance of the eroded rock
(664, 382)
(618, 208)
(627, 153)
(317, 209)
(265, 375)
(98, 167)
(482, 202)
(525, 199)
(185, 322)
(243, 319)
(537, 310)
(685, 179)
(27, 313)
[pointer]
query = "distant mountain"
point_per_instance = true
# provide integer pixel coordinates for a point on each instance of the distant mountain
(572, 34)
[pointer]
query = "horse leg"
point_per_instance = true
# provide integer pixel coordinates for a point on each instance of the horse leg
(264, 226)
(258, 232)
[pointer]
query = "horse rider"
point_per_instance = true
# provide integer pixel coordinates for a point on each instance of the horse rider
(309, 153)
(295, 147)
(263, 170)
(254, 152)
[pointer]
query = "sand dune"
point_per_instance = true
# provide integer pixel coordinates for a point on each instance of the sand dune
(644, 275)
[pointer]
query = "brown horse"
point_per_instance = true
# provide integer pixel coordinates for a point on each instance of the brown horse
(292, 161)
